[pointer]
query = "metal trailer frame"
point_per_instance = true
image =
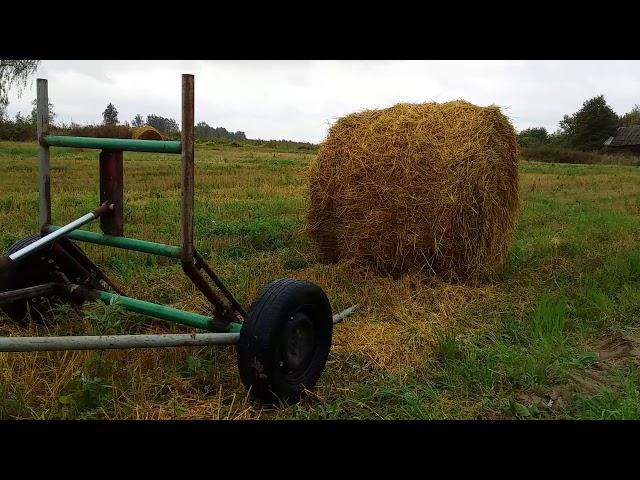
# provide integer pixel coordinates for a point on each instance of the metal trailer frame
(228, 314)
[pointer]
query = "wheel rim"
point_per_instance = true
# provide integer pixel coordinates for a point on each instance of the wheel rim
(298, 344)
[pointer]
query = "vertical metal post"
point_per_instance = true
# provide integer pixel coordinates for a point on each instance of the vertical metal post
(186, 212)
(44, 183)
(111, 189)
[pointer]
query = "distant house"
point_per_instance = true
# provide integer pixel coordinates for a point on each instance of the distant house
(626, 139)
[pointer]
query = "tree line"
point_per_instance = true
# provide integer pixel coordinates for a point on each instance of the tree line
(22, 128)
(204, 131)
(585, 130)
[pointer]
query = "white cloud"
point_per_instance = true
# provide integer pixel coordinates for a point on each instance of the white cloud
(298, 99)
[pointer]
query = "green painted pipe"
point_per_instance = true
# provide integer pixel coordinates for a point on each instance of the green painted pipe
(124, 144)
(165, 313)
(122, 242)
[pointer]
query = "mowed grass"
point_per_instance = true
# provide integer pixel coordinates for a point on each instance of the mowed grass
(556, 334)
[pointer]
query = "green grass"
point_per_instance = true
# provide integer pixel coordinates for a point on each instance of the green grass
(621, 403)
(416, 349)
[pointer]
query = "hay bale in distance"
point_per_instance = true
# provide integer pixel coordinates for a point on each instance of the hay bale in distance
(428, 187)
(146, 133)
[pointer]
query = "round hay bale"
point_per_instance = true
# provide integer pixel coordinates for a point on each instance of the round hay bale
(145, 133)
(428, 187)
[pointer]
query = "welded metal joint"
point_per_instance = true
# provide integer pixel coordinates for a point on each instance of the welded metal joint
(79, 293)
(201, 263)
(70, 264)
(78, 254)
(221, 311)
(106, 207)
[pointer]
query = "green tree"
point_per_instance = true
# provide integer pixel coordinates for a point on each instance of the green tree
(564, 135)
(34, 112)
(568, 125)
(590, 126)
(632, 117)
(162, 124)
(204, 130)
(110, 115)
(533, 136)
(137, 121)
(14, 73)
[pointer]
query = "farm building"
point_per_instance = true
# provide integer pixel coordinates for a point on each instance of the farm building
(626, 139)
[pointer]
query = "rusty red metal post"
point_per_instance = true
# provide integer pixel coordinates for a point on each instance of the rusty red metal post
(186, 211)
(111, 188)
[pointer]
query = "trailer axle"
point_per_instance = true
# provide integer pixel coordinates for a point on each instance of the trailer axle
(109, 342)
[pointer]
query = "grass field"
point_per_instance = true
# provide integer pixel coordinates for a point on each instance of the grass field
(555, 335)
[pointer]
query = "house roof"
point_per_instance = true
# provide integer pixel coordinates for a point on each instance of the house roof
(625, 136)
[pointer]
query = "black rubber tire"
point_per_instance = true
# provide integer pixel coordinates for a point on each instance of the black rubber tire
(33, 270)
(285, 341)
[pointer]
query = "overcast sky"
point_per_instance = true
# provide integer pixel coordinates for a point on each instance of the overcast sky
(298, 100)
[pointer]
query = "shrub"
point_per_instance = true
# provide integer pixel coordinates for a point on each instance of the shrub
(555, 154)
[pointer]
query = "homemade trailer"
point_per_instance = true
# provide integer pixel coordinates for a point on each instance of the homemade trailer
(283, 339)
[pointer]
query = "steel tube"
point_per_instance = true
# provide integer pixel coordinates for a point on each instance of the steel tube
(105, 342)
(163, 312)
(28, 292)
(201, 284)
(102, 342)
(200, 261)
(123, 144)
(51, 237)
(122, 242)
(42, 128)
(187, 181)
(338, 317)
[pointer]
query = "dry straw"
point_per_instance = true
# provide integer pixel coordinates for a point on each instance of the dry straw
(428, 187)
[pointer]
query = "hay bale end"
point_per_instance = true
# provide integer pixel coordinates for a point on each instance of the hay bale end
(146, 133)
(425, 187)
